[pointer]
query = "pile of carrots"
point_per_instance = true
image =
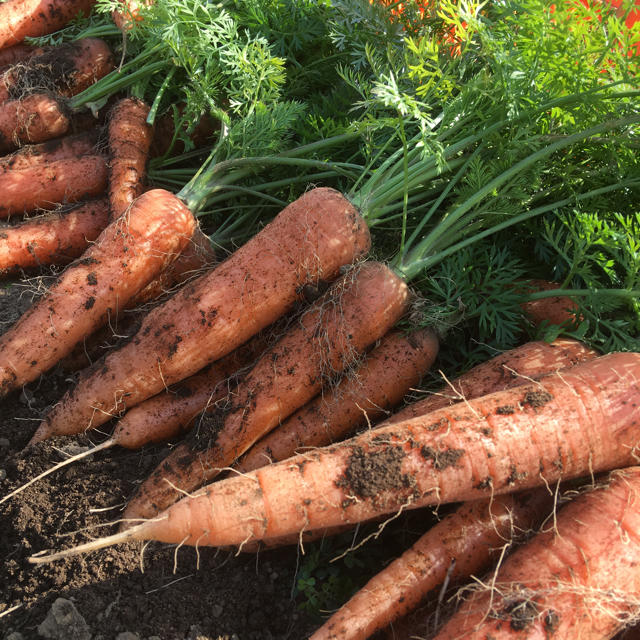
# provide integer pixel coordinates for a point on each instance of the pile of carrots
(280, 362)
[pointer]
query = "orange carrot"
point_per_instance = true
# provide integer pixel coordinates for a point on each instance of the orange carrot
(509, 369)
(460, 545)
(36, 118)
(127, 254)
(355, 312)
(560, 310)
(43, 186)
(33, 18)
(361, 397)
(129, 14)
(55, 238)
(309, 240)
(568, 424)
(18, 53)
(64, 70)
(129, 140)
(578, 579)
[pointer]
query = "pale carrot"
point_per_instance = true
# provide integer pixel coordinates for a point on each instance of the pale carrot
(127, 254)
(311, 239)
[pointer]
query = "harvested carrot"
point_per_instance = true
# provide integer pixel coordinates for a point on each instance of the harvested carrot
(18, 53)
(55, 238)
(328, 338)
(129, 141)
(461, 544)
(311, 239)
(43, 186)
(126, 17)
(64, 70)
(575, 580)
(32, 18)
(127, 254)
(509, 369)
(560, 310)
(584, 419)
(363, 396)
(36, 118)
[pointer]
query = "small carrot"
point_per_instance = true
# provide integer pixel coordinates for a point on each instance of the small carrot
(46, 185)
(33, 18)
(379, 383)
(36, 118)
(575, 580)
(329, 336)
(582, 420)
(129, 141)
(127, 254)
(311, 239)
(55, 238)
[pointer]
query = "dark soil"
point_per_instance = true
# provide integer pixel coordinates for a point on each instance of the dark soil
(245, 596)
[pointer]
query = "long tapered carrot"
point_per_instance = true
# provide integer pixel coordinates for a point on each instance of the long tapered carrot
(64, 70)
(311, 239)
(44, 186)
(578, 579)
(129, 140)
(36, 118)
(506, 370)
(33, 18)
(567, 425)
(127, 254)
(461, 544)
(54, 238)
(384, 378)
(356, 311)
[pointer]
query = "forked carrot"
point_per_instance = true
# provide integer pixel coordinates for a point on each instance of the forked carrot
(311, 239)
(55, 238)
(45, 185)
(328, 338)
(578, 579)
(571, 423)
(127, 254)
(386, 375)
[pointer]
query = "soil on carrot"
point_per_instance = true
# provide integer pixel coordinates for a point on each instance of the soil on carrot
(181, 594)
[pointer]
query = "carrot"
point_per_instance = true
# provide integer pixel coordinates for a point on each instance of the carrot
(312, 238)
(560, 310)
(129, 141)
(127, 254)
(36, 118)
(509, 369)
(582, 420)
(126, 17)
(461, 544)
(43, 186)
(361, 397)
(355, 312)
(64, 70)
(18, 53)
(55, 238)
(575, 580)
(32, 18)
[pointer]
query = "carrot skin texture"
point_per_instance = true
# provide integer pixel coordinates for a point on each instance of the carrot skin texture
(43, 186)
(507, 370)
(127, 254)
(579, 581)
(355, 312)
(560, 310)
(55, 238)
(384, 378)
(33, 18)
(18, 53)
(211, 316)
(582, 420)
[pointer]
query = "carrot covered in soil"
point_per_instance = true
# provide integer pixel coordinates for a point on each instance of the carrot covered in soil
(310, 240)
(125, 257)
(18, 53)
(55, 238)
(577, 579)
(579, 421)
(328, 338)
(387, 374)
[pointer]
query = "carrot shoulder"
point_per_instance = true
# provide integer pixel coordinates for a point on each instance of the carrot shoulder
(214, 314)
(575, 580)
(128, 253)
